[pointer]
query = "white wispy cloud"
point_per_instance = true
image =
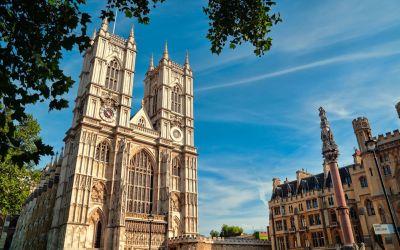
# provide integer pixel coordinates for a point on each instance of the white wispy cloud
(350, 57)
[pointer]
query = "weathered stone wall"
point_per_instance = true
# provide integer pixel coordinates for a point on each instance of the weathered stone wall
(219, 243)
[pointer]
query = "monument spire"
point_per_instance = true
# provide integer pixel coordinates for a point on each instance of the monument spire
(151, 65)
(330, 151)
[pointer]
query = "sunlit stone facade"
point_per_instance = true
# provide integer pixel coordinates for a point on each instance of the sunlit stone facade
(304, 212)
(121, 178)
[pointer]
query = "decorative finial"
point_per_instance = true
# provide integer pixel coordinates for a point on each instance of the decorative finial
(165, 54)
(132, 34)
(94, 34)
(62, 152)
(330, 150)
(104, 25)
(142, 102)
(398, 108)
(151, 65)
(187, 65)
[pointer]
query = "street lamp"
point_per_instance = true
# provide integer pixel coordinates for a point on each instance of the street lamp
(151, 218)
(371, 147)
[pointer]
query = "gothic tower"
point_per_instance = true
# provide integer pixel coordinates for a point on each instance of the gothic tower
(362, 130)
(127, 182)
(168, 99)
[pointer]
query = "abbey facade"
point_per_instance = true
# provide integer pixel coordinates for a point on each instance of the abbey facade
(122, 182)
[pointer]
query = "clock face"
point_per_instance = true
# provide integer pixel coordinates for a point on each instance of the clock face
(176, 134)
(107, 113)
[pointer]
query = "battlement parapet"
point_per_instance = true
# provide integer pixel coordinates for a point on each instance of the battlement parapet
(388, 137)
(361, 123)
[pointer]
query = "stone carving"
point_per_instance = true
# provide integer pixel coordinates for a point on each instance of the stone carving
(176, 121)
(175, 204)
(330, 150)
(98, 192)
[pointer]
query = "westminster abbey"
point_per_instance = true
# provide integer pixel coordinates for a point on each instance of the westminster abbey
(122, 181)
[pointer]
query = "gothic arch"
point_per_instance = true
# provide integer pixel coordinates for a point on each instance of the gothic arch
(148, 151)
(114, 56)
(95, 233)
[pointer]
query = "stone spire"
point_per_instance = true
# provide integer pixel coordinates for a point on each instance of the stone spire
(398, 108)
(330, 150)
(93, 36)
(187, 65)
(131, 35)
(151, 65)
(165, 53)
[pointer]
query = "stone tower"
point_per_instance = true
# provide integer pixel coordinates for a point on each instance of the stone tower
(125, 182)
(362, 130)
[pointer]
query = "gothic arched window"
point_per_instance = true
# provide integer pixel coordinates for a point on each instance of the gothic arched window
(103, 152)
(140, 183)
(363, 182)
(370, 207)
(112, 76)
(176, 104)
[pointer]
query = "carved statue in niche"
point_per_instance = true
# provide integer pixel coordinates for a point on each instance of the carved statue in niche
(98, 192)
(175, 204)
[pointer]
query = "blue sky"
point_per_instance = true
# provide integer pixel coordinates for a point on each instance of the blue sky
(256, 118)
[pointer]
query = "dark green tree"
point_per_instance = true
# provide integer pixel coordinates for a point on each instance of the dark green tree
(214, 233)
(16, 181)
(34, 34)
(230, 231)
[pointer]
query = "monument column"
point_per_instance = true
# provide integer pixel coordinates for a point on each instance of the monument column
(330, 152)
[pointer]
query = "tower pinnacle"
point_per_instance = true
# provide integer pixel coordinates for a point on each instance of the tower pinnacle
(131, 37)
(165, 53)
(104, 25)
(151, 65)
(93, 36)
(330, 150)
(187, 65)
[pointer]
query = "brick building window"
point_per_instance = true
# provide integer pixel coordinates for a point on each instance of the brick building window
(331, 201)
(318, 239)
(315, 203)
(370, 207)
(363, 182)
(308, 203)
(386, 170)
(278, 225)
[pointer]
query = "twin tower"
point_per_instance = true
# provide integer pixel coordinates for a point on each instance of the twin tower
(123, 182)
